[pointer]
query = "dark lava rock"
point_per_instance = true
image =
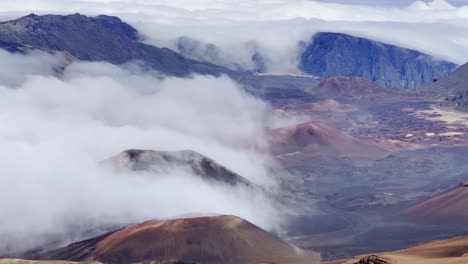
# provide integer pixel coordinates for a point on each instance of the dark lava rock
(191, 161)
(372, 260)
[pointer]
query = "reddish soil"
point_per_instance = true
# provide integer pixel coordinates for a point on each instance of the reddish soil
(450, 206)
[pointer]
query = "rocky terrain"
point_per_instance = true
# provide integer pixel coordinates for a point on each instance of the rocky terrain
(451, 251)
(349, 87)
(328, 105)
(12, 47)
(336, 54)
(359, 192)
(451, 84)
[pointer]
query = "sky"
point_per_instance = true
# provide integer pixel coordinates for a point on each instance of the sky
(390, 2)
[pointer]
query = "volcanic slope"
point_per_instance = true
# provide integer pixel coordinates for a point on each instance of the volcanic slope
(318, 137)
(450, 206)
(346, 87)
(208, 240)
(165, 161)
(452, 90)
(451, 251)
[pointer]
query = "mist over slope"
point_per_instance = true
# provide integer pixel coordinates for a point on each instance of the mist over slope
(165, 161)
(58, 129)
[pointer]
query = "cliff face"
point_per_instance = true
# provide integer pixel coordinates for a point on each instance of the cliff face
(334, 54)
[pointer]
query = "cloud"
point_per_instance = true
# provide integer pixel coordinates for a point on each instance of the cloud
(275, 27)
(55, 131)
(434, 5)
(392, 2)
(16, 66)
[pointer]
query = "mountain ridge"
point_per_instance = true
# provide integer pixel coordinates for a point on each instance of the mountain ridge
(99, 38)
(338, 54)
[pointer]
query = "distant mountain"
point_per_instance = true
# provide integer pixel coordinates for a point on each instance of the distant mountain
(186, 160)
(452, 90)
(452, 84)
(208, 240)
(336, 54)
(101, 38)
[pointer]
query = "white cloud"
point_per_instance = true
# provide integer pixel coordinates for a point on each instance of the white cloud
(15, 67)
(55, 132)
(276, 26)
(434, 5)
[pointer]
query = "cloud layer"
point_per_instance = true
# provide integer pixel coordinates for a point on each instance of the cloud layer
(240, 29)
(55, 131)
